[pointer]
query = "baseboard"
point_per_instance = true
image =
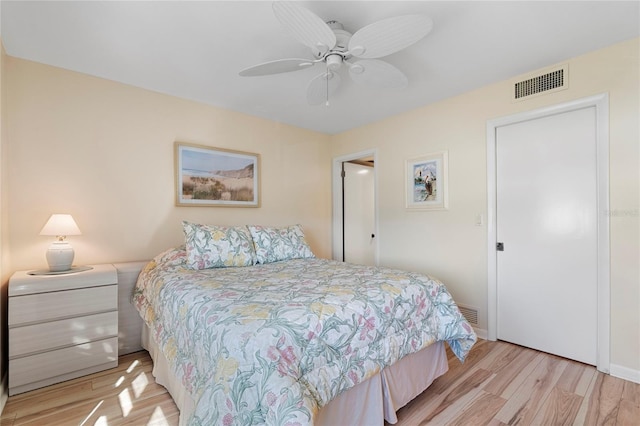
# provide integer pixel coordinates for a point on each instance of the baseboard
(4, 392)
(625, 373)
(480, 332)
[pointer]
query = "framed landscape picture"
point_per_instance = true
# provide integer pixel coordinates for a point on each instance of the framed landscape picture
(426, 182)
(207, 176)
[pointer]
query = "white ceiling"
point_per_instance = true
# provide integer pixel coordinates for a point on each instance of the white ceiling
(195, 49)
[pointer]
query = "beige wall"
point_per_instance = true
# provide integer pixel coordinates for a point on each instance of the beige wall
(447, 244)
(103, 151)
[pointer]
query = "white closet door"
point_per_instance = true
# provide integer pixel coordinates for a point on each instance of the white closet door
(547, 221)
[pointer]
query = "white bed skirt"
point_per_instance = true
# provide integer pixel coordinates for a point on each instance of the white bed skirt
(368, 403)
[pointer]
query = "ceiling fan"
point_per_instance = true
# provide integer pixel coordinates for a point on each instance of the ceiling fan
(333, 46)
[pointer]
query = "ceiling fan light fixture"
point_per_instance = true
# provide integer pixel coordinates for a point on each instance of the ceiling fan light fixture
(328, 75)
(356, 69)
(334, 61)
(357, 50)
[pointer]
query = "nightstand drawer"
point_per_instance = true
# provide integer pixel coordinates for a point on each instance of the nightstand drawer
(62, 304)
(59, 334)
(46, 365)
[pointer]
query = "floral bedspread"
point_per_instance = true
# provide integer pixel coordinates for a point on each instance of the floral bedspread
(270, 344)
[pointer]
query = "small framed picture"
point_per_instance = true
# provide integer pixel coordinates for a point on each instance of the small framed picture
(426, 182)
(207, 176)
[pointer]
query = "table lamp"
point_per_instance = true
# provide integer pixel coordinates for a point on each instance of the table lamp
(60, 253)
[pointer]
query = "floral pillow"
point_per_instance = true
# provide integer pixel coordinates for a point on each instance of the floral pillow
(212, 246)
(275, 244)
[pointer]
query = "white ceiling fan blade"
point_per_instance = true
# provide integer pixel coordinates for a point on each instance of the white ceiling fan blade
(276, 67)
(321, 87)
(378, 74)
(305, 25)
(388, 36)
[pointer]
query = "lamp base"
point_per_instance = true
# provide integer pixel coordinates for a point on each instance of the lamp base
(60, 256)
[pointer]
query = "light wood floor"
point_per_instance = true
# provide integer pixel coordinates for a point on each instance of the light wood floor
(500, 383)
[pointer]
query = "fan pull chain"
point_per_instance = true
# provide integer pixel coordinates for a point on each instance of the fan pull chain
(327, 78)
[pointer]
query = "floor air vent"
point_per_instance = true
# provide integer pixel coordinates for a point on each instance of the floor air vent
(547, 82)
(470, 314)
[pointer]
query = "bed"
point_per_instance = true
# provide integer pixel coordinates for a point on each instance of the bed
(246, 326)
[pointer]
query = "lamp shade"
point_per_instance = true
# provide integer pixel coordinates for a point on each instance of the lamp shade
(60, 225)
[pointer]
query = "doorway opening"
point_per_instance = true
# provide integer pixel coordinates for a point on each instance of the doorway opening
(355, 209)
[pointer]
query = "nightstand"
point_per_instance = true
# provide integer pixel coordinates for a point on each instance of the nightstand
(61, 326)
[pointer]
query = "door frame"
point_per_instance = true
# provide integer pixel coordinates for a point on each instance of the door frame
(336, 240)
(601, 104)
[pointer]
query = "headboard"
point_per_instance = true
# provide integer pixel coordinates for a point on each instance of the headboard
(129, 320)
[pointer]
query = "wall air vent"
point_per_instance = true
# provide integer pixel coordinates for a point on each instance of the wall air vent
(469, 313)
(542, 83)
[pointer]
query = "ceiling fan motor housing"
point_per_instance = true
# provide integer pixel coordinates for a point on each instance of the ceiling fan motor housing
(342, 43)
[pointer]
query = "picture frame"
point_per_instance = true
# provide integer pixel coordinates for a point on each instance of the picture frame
(209, 176)
(426, 182)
